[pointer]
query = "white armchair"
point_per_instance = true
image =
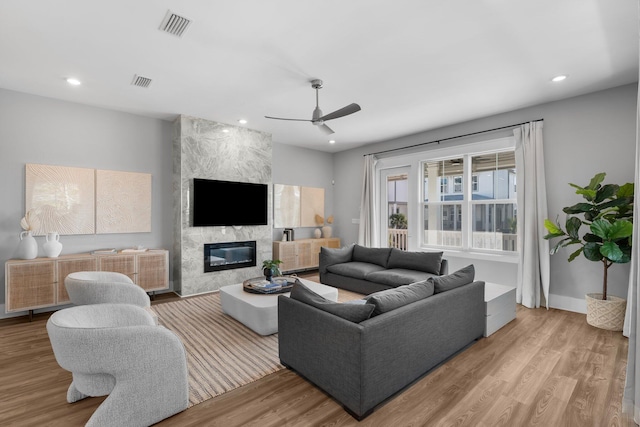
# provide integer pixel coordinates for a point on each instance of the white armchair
(117, 350)
(99, 287)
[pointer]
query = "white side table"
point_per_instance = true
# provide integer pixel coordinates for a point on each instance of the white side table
(499, 305)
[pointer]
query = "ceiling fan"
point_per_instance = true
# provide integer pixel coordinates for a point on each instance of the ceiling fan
(318, 118)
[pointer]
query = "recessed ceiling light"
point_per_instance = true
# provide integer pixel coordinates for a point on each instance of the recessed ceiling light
(332, 141)
(74, 82)
(225, 130)
(559, 78)
(242, 121)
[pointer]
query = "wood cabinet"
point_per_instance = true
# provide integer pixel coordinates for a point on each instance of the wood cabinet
(301, 254)
(38, 283)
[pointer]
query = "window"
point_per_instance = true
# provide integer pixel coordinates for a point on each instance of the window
(457, 184)
(482, 218)
(444, 182)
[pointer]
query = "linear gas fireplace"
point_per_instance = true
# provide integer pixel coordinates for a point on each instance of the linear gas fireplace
(229, 255)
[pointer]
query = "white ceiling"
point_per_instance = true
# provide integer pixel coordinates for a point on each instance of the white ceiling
(411, 65)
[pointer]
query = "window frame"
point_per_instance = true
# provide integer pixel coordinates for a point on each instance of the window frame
(412, 161)
(467, 203)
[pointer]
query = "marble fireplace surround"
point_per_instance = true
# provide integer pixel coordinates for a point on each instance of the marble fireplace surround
(201, 149)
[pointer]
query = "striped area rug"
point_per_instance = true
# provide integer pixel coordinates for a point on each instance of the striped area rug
(222, 354)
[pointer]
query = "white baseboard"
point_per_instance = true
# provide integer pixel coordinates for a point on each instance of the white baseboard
(561, 302)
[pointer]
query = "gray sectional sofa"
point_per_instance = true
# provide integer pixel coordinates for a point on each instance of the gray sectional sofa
(364, 361)
(366, 270)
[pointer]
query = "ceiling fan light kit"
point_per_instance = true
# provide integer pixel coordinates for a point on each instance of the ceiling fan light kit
(317, 118)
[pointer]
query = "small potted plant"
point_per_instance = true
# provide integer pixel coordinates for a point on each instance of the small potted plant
(607, 212)
(270, 268)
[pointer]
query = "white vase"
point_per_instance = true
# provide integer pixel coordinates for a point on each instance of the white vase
(327, 231)
(52, 247)
(317, 233)
(28, 247)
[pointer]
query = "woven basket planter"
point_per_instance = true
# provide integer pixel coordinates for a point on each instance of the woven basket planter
(607, 314)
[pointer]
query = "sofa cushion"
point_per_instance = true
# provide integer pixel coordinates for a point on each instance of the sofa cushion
(357, 270)
(378, 256)
(352, 312)
(428, 262)
(330, 256)
(397, 277)
(391, 299)
(461, 277)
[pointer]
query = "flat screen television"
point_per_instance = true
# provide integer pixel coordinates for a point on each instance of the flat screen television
(222, 203)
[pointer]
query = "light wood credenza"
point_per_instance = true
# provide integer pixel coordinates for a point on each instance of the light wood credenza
(39, 283)
(303, 254)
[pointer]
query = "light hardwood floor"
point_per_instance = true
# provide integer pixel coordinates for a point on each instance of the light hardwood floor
(546, 368)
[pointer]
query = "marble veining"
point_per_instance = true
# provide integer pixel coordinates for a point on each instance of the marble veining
(202, 150)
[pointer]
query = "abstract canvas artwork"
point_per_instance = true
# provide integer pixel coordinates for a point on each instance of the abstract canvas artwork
(71, 200)
(123, 202)
(62, 198)
(311, 204)
(286, 206)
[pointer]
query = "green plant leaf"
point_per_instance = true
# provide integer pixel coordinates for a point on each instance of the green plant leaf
(578, 208)
(557, 247)
(606, 192)
(587, 193)
(573, 226)
(596, 180)
(620, 229)
(592, 251)
(588, 237)
(575, 254)
(552, 228)
(611, 251)
(626, 190)
(600, 228)
(612, 204)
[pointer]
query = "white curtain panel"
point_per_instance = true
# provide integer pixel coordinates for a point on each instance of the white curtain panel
(533, 249)
(368, 231)
(631, 397)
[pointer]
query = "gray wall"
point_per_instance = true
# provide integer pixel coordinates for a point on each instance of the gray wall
(308, 168)
(582, 136)
(34, 129)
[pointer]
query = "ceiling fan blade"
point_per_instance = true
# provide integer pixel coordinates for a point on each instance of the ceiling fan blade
(282, 118)
(344, 111)
(326, 129)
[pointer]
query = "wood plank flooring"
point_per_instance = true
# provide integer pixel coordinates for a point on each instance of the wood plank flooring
(546, 368)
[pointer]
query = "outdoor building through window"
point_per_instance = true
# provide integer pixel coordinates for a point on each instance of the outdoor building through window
(477, 212)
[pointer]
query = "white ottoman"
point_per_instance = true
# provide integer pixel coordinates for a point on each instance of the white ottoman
(260, 312)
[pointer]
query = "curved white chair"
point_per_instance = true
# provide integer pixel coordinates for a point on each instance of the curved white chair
(117, 350)
(99, 287)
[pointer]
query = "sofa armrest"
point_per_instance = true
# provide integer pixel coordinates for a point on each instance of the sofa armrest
(321, 347)
(331, 256)
(444, 267)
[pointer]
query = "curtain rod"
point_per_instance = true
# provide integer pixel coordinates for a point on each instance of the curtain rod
(438, 141)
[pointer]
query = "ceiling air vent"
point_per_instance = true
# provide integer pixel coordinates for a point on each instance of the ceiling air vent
(174, 24)
(141, 81)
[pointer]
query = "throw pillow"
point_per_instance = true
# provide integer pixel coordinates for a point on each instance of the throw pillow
(390, 299)
(429, 262)
(379, 256)
(461, 277)
(352, 312)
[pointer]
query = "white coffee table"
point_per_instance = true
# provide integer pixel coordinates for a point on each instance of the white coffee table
(260, 312)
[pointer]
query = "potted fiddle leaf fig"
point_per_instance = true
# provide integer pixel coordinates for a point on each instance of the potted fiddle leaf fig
(270, 268)
(607, 214)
